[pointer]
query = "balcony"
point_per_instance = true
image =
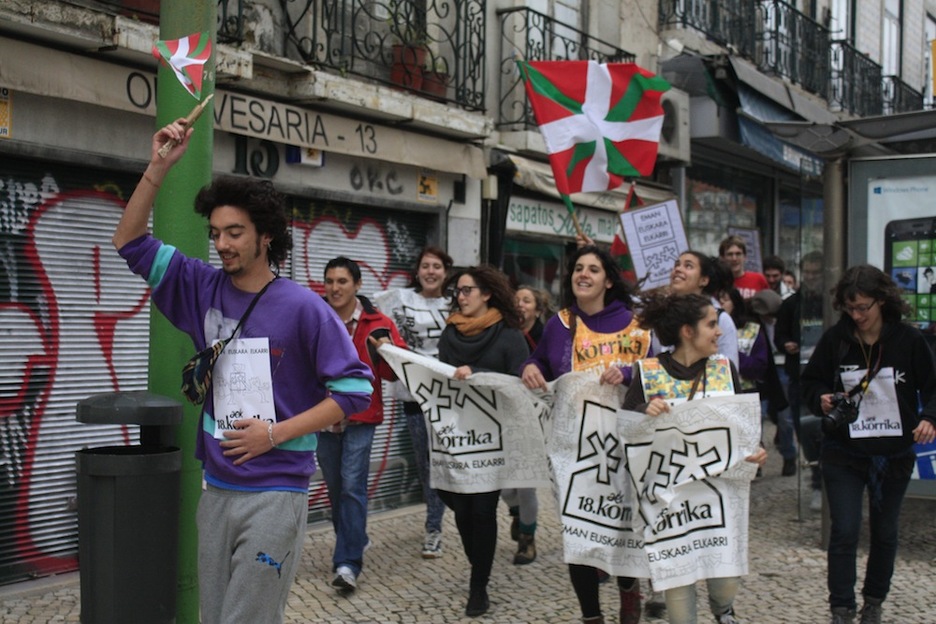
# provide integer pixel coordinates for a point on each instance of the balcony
(530, 35)
(793, 46)
(899, 97)
(784, 42)
(729, 23)
(856, 80)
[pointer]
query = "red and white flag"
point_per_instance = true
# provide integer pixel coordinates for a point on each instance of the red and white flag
(601, 122)
(186, 57)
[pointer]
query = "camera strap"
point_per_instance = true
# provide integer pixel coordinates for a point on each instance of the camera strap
(870, 373)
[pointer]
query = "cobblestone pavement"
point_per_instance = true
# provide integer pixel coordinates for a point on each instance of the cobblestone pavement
(786, 583)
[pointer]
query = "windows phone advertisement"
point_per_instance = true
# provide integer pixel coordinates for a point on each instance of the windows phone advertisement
(902, 241)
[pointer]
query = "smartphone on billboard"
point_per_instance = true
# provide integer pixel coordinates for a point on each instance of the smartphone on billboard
(910, 259)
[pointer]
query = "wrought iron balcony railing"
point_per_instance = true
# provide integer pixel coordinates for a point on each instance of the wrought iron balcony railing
(899, 97)
(729, 23)
(530, 35)
(793, 46)
(779, 39)
(856, 81)
(429, 47)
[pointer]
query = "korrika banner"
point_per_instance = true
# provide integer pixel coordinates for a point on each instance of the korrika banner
(484, 433)
(666, 497)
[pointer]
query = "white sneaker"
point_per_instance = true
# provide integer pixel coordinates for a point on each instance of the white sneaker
(432, 545)
(344, 579)
(815, 503)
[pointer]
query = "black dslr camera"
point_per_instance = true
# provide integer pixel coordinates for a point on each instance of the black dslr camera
(844, 412)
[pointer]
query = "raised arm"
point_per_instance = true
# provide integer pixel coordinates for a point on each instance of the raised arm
(135, 219)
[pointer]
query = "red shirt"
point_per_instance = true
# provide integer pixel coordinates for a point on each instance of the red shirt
(750, 283)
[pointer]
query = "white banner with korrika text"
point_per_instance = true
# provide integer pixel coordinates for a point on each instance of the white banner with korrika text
(665, 497)
(485, 432)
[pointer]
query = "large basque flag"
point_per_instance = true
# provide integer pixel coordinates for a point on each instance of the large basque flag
(187, 57)
(601, 122)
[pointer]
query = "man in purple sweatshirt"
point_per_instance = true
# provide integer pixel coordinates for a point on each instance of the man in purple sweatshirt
(289, 371)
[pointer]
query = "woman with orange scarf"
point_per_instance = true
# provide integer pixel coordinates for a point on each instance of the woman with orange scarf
(481, 336)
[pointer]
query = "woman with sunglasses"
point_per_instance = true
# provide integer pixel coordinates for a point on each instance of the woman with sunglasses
(585, 335)
(866, 380)
(481, 335)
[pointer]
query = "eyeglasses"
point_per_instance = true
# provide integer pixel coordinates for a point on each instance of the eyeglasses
(464, 290)
(859, 309)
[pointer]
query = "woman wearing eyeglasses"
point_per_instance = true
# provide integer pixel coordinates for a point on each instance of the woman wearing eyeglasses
(481, 335)
(595, 331)
(866, 380)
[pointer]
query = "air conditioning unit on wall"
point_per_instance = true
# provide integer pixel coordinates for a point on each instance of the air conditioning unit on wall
(674, 138)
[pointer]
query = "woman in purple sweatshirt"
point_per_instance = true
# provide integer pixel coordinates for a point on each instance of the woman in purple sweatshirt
(594, 331)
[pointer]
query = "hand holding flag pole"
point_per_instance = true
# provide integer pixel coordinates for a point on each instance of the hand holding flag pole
(190, 119)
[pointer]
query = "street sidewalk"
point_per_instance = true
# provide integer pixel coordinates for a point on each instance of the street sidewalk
(786, 583)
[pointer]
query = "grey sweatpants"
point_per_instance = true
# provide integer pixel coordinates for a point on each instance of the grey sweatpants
(249, 545)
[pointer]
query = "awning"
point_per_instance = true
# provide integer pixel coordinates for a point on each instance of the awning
(758, 137)
(538, 176)
(780, 92)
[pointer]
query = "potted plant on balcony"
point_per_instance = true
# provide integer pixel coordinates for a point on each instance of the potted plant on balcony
(408, 25)
(436, 79)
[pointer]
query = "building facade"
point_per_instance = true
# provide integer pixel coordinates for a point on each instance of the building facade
(390, 125)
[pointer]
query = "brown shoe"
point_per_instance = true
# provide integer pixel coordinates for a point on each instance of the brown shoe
(526, 550)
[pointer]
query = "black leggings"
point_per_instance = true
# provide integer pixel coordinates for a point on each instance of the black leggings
(476, 519)
(585, 583)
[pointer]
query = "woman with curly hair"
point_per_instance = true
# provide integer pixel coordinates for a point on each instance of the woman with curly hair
(481, 335)
(866, 379)
(694, 369)
(594, 331)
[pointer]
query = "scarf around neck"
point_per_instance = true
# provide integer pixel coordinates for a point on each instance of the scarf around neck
(472, 326)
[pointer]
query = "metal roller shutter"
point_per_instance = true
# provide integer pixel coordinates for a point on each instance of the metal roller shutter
(73, 322)
(386, 245)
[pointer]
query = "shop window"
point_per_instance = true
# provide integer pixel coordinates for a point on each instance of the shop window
(534, 263)
(719, 199)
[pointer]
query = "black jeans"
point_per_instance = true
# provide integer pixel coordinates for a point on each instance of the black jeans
(845, 488)
(476, 519)
(585, 583)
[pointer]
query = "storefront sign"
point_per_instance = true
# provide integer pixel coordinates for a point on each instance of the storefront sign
(534, 216)
(124, 88)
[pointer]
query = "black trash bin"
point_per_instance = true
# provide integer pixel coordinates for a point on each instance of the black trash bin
(128, 512)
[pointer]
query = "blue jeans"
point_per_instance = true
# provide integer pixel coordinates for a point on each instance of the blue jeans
(845, 487)
(345, 462)
(785, 437)
(416, 423)
(681, 601)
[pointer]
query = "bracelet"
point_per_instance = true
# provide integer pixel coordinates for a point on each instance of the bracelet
(150, 180)
(270, 435)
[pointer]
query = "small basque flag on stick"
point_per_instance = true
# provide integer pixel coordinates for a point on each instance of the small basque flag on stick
(601, 122)
(186, 57)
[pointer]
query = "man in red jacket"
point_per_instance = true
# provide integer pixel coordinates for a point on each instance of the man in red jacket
(344, 450)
